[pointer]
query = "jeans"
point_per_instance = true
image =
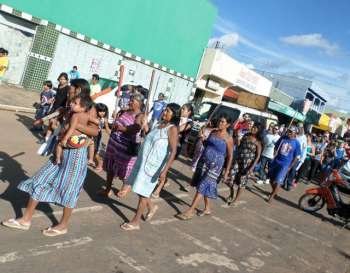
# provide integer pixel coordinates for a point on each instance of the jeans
(291, 175)
(315, 166)
(264, 162)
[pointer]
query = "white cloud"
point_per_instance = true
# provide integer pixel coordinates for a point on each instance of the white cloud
(333, 81)
(226, 41)
(315, 40)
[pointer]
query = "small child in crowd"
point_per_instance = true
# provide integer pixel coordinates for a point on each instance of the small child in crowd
(96, 149)
(47, 98)
(72, 138)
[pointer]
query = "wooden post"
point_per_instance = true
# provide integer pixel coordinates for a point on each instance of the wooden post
(150, 90)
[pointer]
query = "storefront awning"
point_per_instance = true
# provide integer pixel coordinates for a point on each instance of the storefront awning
(286, 110)
(323, 123)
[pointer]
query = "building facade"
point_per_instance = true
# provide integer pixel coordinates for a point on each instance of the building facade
(45, 38)
(221, 77)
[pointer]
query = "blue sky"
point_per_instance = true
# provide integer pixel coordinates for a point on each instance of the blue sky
(303, 38)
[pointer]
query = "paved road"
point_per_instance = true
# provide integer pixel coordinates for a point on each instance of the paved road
(253, 237)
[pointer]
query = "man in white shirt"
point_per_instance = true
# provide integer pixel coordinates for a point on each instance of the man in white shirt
(95, 87)
(267, 155)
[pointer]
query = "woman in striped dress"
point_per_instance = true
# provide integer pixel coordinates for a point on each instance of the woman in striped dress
(58, 184)
(121, 153)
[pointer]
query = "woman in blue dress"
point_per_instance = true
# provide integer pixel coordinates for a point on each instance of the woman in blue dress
(218, 146)
(155, 158)
(58, 184)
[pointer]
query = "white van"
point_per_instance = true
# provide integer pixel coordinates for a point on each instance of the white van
(235, 111)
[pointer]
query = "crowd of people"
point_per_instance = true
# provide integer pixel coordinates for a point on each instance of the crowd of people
(143, 144)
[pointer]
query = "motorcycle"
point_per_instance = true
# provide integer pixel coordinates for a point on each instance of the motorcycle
(314, 199)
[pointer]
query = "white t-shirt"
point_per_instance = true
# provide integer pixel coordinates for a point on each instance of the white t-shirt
(269, 145)
(94, 88)
(303, 146)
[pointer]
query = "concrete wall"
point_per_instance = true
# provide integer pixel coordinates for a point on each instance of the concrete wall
(171, 33)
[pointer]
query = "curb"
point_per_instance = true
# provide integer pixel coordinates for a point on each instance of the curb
(17, 108)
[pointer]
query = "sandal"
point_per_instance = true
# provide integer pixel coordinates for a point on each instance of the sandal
(151, 213)
(123, 192)
(92, 164)
(13, 223)
(129, 227)
(52, 232)
(184, 217)
(229, 200)
(204, 213)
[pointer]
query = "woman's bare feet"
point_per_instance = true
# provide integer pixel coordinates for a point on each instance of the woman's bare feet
(124, 191)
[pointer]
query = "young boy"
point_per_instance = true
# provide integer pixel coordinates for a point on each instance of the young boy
(72, 138)
(47, 97)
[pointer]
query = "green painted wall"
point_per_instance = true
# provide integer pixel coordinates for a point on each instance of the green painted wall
(172, 33)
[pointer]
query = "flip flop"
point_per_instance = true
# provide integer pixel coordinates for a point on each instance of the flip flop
(52, 232)
(13, 223)
(123, 192)
(92, 164)
(203, 213)
(129, 227)
(151, 213)
(184, 217)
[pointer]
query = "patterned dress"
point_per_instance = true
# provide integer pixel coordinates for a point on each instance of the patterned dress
(152, 158)
(59, 184)
(118, 161)
(209, 167)
(246, 155)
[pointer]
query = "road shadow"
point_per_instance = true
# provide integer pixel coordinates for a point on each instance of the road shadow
(12, 173)
(177, 177)
(172, 200)
(28, 123)
(93, 184)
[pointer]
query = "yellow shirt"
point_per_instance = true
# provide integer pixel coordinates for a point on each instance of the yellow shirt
(4, 64)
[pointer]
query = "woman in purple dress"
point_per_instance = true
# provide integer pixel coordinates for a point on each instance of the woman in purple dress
(121, 153)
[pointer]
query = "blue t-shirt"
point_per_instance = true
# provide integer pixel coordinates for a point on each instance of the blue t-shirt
(339, 153)
(45, 96)
(158, 108)
(73, 74)
(288, 149)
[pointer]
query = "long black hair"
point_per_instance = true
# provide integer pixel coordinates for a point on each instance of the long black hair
(82, 84)
(101, 107)
(189, 108)
(175, 109)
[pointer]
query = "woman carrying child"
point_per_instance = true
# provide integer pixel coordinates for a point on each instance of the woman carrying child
(59, 183)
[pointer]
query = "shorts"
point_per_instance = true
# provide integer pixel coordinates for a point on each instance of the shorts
(277, 173)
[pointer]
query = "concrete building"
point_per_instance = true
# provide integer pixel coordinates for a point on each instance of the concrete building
(222, 77)
(46, 37)
(299, 89)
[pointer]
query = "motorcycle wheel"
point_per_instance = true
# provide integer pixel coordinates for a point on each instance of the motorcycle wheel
(311, 202)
